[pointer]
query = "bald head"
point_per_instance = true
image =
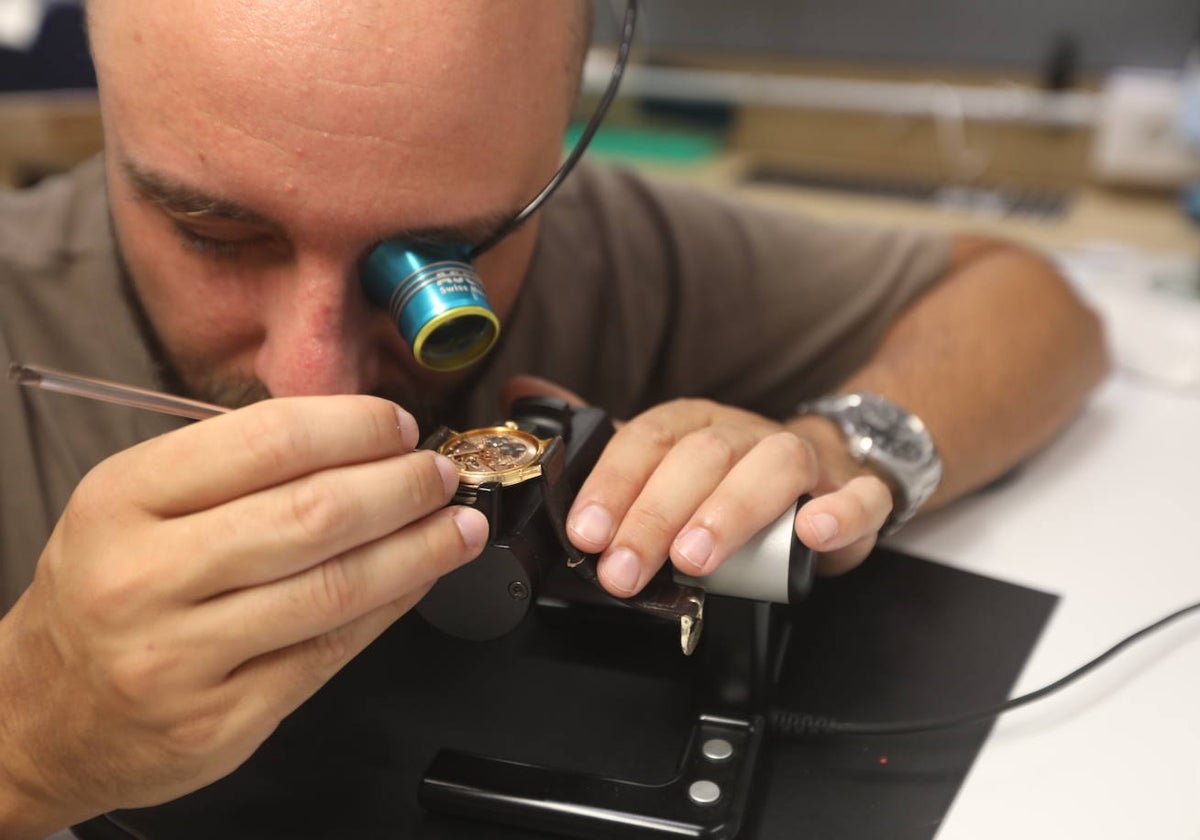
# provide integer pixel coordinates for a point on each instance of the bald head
(320, 127)
(374, 26)
(370, 67)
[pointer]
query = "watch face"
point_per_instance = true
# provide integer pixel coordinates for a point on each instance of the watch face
(892, 442)
(892, 431)
(497, 453)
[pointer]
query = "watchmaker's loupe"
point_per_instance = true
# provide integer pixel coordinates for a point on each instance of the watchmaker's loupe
(433, 293)
(435, 299)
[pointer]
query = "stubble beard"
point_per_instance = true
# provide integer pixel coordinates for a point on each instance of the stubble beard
(187, 380)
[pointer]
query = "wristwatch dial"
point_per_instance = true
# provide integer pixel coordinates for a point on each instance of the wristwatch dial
(503, 454)
(892, 430)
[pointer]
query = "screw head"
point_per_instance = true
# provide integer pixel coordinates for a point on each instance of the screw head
(717, 749)
(518, 591)
(704, 792)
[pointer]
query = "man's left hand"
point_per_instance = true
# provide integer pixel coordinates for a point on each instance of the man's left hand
(694, 480)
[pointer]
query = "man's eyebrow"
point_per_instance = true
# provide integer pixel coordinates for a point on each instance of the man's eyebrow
(468, 232)
(179, 197)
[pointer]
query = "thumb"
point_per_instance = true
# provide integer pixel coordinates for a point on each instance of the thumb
(534, 386)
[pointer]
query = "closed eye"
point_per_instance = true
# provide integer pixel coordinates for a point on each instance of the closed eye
(220, 238)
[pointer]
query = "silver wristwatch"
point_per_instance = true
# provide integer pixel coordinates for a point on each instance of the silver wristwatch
(892, 442)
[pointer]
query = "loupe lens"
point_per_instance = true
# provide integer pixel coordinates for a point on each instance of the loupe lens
(436, 300)
(459, 337)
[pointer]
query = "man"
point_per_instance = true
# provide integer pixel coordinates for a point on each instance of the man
(201, 583)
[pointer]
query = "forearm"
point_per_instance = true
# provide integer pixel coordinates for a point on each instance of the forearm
(16, 820)
(995, 358)
(24, 811)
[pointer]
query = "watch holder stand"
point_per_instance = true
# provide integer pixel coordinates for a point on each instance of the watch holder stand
(738, 642)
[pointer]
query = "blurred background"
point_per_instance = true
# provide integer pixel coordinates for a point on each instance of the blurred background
(1070, 125)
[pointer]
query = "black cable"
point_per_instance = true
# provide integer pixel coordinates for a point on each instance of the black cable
(585, 137)
(798, 724)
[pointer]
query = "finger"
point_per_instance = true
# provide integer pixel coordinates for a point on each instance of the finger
(844, 559)
(534, 386)
(685, 477)
(846, 515)
(285, 529)
(262, 445)
(766, 482)
(629, 460)
(285, 613)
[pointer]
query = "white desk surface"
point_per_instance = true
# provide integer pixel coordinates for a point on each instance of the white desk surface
(1107, 518)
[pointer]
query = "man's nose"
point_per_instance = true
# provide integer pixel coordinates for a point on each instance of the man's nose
(317, 325)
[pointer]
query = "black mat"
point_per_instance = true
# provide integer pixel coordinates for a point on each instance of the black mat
(899, 638)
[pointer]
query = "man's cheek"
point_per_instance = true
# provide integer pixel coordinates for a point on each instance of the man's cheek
(196, 308)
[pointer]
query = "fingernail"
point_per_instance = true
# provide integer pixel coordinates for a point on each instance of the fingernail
(472, 525)
(696, 546)
(592, 525)
(449, 473)
(621, 570)
(825, 525)
(406, 424)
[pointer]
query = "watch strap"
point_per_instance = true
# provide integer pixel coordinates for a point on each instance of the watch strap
(662, 597)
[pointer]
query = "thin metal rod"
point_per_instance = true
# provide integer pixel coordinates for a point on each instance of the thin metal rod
(47, 379)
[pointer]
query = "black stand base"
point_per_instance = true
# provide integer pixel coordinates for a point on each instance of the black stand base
(704, 799)
(735, 669)
(899, 638)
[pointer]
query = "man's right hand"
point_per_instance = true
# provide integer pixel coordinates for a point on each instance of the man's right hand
(203, 584)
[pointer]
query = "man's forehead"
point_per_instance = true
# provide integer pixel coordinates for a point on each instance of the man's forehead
(184, 199)
(367, 68)
(457, 103)
(404, 33)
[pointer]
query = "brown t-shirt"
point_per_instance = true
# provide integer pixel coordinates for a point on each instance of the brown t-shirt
(639, 292)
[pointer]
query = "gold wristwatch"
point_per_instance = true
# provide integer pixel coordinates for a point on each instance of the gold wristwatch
(502, 454)
(498, 466)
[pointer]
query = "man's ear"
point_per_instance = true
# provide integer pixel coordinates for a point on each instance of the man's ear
(533, 386)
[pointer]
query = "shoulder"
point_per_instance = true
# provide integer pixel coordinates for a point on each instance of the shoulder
(601, 211)
(60, 219)
(60, 296)
(611, 224)
(614, 200)
(701, 230)
(62, 302)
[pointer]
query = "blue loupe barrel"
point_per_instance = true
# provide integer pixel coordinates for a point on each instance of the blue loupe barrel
(435, 299)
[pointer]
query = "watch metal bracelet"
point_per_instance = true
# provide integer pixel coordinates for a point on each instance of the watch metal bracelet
(892, 442)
